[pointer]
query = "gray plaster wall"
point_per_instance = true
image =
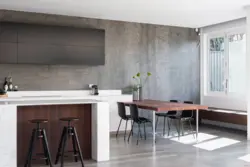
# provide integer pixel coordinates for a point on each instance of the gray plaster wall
(171, 54)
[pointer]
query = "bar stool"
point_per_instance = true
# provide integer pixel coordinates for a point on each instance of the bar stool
(38, 133)
(69, 131)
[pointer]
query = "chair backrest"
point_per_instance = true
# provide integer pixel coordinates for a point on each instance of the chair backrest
(122, 110)
(188, 113)
(173, 112)
(134, 112)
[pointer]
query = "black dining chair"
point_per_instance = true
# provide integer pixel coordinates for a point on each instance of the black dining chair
(185, 116)
(138, 120)
(123, 116)
(165, 115)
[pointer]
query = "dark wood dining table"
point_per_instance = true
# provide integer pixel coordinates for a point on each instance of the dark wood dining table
(164, 106)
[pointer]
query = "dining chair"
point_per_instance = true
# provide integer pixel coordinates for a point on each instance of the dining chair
(165, 115)
(123, 116)
(138, 120)
(185, 116)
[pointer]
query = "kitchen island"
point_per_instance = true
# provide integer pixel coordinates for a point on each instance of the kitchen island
(15, 113)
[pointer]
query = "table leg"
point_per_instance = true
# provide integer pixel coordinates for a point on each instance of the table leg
(197, 124)
(153, 125)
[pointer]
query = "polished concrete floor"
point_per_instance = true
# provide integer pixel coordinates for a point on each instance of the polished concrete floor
(217, 148)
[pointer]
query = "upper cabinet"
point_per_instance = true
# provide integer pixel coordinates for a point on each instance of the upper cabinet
(41, 44)
(8, 43)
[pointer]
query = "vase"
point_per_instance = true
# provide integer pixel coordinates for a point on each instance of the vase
(137, 95)
(140, 93)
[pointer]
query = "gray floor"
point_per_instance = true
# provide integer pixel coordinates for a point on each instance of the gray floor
(168, 153)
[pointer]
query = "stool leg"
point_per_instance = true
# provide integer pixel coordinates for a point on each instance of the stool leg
(44, 149)
(64, 142)
(60, 145)
(74, 145)
(31, 148)
(46, 146)
(78, 146)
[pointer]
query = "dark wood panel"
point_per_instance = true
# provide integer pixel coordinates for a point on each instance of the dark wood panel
(8, 32)
(47, 44)
(53, 128)
(56, 54)
(8, 53)
(224, 117)
(56, 35)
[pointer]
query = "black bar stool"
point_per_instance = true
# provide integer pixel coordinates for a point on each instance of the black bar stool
(69, 131)
(38, 133)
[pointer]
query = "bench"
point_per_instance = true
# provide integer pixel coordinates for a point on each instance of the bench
(225, 115)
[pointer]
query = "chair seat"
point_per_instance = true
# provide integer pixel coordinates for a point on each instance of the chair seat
(180, 117)
(69, 119)
(144, 120)
(129, 116)
(161, 114)
(38, 120)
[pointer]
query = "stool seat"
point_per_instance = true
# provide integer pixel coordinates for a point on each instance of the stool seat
(69, 119)
(38, 121)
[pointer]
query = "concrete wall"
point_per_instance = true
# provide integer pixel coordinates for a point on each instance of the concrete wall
(171, 54)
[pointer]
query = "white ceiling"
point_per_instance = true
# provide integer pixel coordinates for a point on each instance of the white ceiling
(184, 13)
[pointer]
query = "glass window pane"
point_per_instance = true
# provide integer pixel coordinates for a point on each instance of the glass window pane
(237, 65)
(216, 64)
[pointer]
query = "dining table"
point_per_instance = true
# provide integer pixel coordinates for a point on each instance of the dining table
(156, 106)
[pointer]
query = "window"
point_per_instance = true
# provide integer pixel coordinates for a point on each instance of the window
(226, 69)
(216, 64)
(236, 63)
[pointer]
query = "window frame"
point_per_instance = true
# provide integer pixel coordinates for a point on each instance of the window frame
(206, 80)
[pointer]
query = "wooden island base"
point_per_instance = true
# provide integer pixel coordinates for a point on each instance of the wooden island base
(53, 128)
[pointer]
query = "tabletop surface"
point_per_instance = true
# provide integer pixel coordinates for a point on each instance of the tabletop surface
(158, 105)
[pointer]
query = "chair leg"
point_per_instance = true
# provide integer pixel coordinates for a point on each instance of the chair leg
(118, 128)
(73, 137)
(31, 148)
(156, 124)
(131, 127)
(191, 128)
(78, 146)
(139, 133)
(145, 135)
(169, 126)
(140, 130)
(60, 145)
(164, 125)
(125, 130)
(131, 132)
(45, 141)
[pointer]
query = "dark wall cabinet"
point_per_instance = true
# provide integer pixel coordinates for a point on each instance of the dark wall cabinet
(40, 44)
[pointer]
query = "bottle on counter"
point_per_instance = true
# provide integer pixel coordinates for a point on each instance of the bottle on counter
(10, 84)
(6, 84)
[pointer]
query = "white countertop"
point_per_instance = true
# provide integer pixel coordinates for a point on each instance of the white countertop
(46, 101)
(22, 98)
